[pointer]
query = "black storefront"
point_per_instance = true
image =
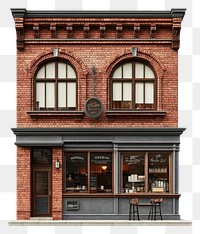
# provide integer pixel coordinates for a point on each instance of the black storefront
(103, 168)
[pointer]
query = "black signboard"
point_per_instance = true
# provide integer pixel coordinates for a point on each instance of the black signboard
(72, 205)
(93, 107)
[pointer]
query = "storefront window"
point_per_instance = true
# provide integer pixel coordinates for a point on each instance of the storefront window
(133, 172)
(101, 172)
(141, 172)
(76, 172)
(158, 172)
(146, 172)
(88, 172)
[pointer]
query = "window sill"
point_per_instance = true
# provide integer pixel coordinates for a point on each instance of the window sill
(170, 195)
(135, 113)
(88, 195)
(56, 113)
(123, 195)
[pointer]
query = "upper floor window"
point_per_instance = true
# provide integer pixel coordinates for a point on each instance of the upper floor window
(55, 87)
(133, 87)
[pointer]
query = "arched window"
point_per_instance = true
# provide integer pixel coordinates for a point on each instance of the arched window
(55, 87)
(133, 87)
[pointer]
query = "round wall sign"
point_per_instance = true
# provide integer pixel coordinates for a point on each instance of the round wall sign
(93, 107)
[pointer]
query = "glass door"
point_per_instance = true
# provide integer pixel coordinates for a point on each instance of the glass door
(41, 192)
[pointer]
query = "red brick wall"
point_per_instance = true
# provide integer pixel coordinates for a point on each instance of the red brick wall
(57, 185)
(23, 183)
(83, 57)
(103, 55)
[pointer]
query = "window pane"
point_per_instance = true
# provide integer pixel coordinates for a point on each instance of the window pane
(133, 172)
(101, 172)
(50, 70)
(71, 95)
(41, 157)
(158, 172)
(50, 95)
(139, 93)
(117, 91)
(41, 205)
(41, 73)
(149, 93)
(127, 70)
(62, 70)
(61, 95)
(118, 73)
(148, 72)
(41, 183)
(124, 96)
(127, 91)
(40, 95)
(70, 72)
(139, 70)
(76, 172)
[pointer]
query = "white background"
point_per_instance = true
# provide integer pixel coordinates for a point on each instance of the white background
(189, 111)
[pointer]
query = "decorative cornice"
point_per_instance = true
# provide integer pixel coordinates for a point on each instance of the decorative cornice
(86, 29)
(119, 31)
(19, 25)
(152, 31)
(174, 13)
(102, 31)
(136, 31)
(69, 29)
(53, 30)
(176, 29)
(36, 31)
(88, 21)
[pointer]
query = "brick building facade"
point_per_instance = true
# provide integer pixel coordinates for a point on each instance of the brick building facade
(97, 100)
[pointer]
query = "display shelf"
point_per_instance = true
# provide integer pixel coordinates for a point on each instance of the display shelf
(158, 169)
(134, 186)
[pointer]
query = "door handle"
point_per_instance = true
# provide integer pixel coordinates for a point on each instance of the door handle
(50, 193)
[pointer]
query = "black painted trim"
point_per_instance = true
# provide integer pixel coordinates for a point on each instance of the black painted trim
(59, 113)
(143, 113)
(23, 13)
(41, 143)
(98, 131)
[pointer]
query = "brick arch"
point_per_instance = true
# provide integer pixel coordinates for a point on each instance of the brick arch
(145, 55)
(69, 56)
(78, 64)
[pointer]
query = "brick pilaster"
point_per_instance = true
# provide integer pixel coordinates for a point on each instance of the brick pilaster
(57, 185)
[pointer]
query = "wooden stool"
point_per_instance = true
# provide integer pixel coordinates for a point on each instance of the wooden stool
(133, 208)
(157, 203)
